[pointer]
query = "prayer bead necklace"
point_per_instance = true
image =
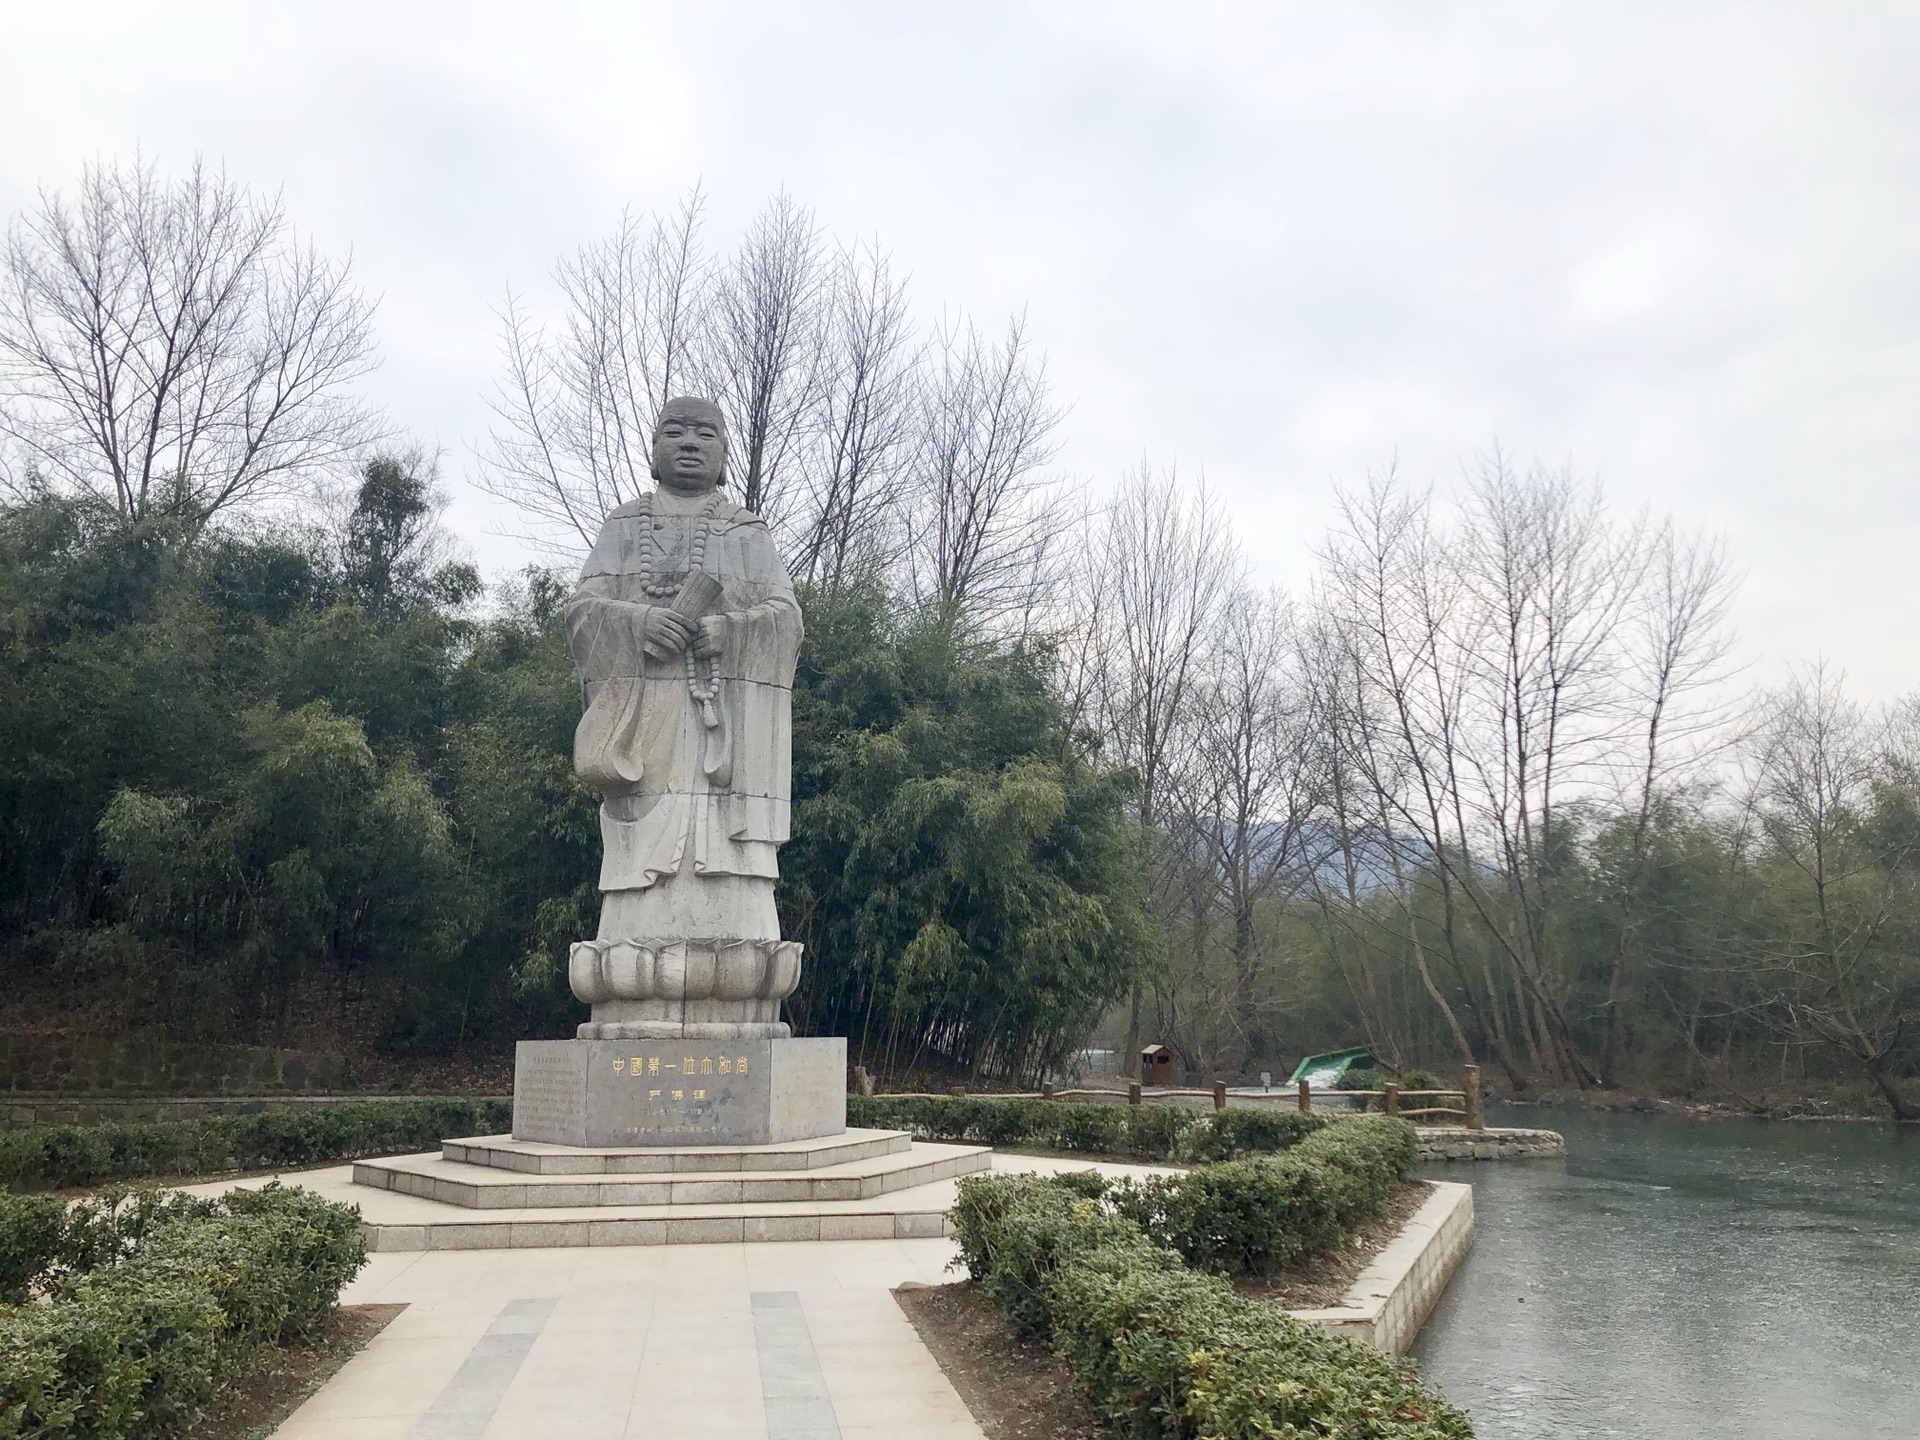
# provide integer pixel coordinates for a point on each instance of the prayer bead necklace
(658, 586)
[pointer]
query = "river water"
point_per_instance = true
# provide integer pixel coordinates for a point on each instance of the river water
(1688, 1278)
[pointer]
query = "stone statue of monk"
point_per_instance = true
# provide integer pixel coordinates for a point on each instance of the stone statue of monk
(684, 631)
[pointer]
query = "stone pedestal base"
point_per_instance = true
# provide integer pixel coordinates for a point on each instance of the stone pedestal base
(610, 1093)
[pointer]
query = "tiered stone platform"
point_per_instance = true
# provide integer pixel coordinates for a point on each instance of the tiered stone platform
(497, 1192)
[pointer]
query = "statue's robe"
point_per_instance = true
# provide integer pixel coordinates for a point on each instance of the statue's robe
(695, 807)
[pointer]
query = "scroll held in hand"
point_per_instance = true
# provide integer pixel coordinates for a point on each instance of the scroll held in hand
(697, 596)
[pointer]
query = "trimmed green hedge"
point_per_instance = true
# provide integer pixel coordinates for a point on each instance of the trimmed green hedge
(1169, 1352)
(145, 1303)
(1254, 1216)
(1147, 1132)
(46, 1156)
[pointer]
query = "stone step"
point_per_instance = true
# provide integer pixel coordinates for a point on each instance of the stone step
(909, 1215)
(486, 1187)
(535, 1157)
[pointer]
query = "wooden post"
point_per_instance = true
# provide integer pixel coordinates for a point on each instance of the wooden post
(862, 1080)
(1393, 1099)
(958, 1091)
(1471, 1085)
(1046, 1090)
(1219, 1094)
(1133, 1093)
(1306, 1096)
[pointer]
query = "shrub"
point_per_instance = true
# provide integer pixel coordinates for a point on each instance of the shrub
(1032, 1234)
(1168, 1351)
(110, 1225)
(983, 1201)
(31, 1231)
(1361, 1161)
(1254, 1216)
(1146, 1132)
(1243, 1216)
(1091, 1129)
(124, 1363)
(152, 1300)
(1178, 1354)
(48, 1156)
(325, 1247)
(1232, 1134)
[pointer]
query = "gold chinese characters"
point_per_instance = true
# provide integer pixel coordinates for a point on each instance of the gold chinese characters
(651, 1065)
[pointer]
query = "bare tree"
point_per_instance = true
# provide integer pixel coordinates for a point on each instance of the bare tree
(1359, 853)
(575, 409)
(761, 355)
(845, 523)
(1159, 571)
(1549, 585)
(1531, 657)
(173, 346)
(1248, 802)
(986, 521)
(1386, 606)
(809, 354)
(1677, 650)
(870, 454)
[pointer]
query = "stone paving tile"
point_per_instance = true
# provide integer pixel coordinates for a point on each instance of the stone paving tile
(468, 1401)
(397, 1378)
(536, 1421)
(923, 1429)
(305, 1427)
(720, 1417)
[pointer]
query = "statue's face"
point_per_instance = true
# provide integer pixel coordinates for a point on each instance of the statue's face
(688, 452)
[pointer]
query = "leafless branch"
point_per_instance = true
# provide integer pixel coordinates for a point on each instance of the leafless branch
(174, 346)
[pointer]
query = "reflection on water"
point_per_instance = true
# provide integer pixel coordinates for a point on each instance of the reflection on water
(1688, 1278)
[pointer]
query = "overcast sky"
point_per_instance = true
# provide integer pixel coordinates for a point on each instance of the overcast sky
(1283, 243)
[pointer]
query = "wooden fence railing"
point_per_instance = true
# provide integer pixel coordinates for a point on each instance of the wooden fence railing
(1467, 1112)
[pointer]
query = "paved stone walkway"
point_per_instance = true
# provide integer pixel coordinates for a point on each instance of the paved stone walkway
(776, 1340)
(796, 1341)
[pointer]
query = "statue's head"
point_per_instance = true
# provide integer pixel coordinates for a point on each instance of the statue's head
(689, 446)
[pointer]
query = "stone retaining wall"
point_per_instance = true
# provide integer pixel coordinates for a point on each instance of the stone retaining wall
(1391, 1299)
(1456, 1142)
(17, 1111)
(150, 1064)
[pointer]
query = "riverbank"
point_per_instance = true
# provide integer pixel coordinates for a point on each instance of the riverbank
(1849, 1104)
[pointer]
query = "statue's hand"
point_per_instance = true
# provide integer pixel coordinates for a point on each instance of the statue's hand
(712, 639)
(665, 634)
